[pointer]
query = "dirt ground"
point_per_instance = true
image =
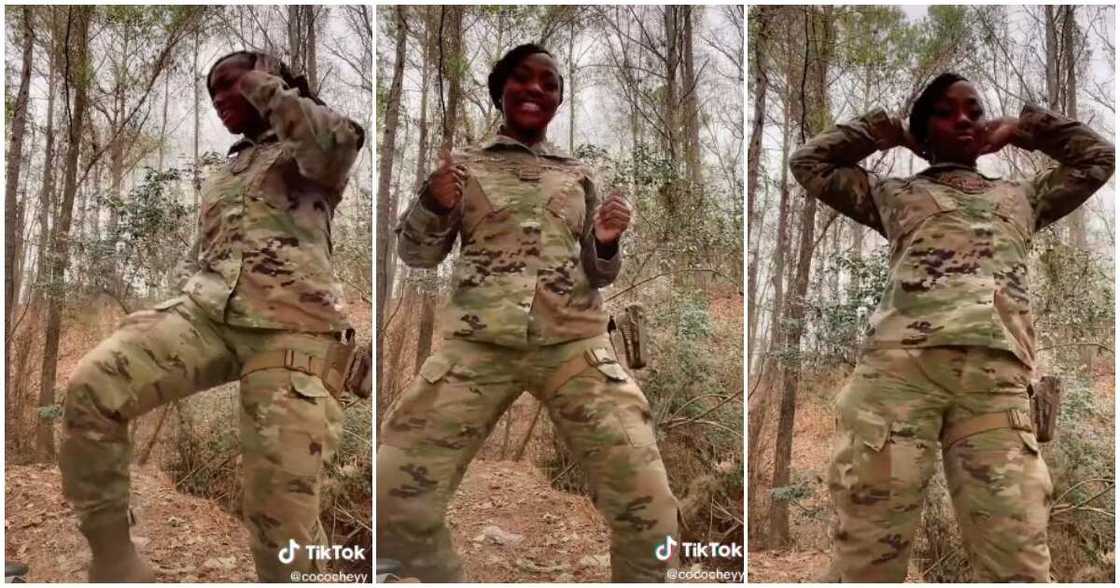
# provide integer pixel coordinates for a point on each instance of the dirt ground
(186, 539)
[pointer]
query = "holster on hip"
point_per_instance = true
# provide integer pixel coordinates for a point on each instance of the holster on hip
(344, 367)
(1046, 403)
(631, 326)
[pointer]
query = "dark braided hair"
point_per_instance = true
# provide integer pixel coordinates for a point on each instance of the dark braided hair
(505, 66)
(300, 83)
(922, 109)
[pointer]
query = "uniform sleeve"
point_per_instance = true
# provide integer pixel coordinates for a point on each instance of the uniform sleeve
(424, 235)
(827, 165)
(323, 143)
(600, 272)
(1085, 162)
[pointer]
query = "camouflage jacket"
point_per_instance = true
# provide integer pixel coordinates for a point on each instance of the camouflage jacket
(263, 254)
(959, 240)
(529, 269)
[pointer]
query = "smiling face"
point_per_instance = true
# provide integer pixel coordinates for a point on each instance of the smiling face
(956, 126)
(531, 95)
(236, 113)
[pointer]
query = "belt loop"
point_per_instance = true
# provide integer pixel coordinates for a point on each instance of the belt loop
(289, 358)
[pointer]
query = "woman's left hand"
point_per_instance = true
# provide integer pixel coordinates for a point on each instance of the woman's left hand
(612, 218)
(1001, 132)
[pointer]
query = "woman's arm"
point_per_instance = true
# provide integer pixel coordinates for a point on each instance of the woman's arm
(1085, 162)
(323, 143)
(427, 231)
(601, 262)
(827, 165)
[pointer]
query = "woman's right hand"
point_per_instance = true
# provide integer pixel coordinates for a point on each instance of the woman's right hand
(446, 183)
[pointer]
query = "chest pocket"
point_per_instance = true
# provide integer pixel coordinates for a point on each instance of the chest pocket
(912, 205)
(567, 199)
(268, 182)
(1011, 204)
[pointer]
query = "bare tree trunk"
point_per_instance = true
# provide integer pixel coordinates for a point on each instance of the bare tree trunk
(572, 87)
(46, 193)
(452, 52)
(690, 86)
(60, 244)
(754, 164)
(815, 117)
(197, 183)
(13, 230)
(384, 177)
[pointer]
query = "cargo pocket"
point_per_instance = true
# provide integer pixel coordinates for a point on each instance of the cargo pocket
(866, 463)
(308, 386)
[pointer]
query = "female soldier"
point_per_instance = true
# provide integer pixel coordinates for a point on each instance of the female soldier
(261, 307)
(525, 314)
(951, 346)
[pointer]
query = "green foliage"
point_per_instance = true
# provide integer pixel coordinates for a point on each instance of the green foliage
(50, 413)
(151, 233)
(837, 323)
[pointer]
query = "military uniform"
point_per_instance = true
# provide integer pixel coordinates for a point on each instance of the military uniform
(950, 349)
(261, 306)
(525, 314)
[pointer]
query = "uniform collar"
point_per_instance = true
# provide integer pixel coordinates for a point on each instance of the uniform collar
(269, 136)
(543, 149)
(941, 169)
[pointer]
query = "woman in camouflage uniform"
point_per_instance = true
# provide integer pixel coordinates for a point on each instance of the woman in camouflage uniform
(525, 314)
(951, 347)
(260, 306)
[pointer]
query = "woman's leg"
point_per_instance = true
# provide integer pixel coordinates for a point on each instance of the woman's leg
(156, 356)
(888, 423)
(429, 436)
(1000, 485)
(606, 421)
(290, 429)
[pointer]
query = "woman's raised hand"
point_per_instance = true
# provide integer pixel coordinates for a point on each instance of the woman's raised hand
(1001, 132)
(612, 218)
(446, 183)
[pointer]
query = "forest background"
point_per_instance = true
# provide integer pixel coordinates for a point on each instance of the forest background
(110, 132)
(814, 277)
(653, 99)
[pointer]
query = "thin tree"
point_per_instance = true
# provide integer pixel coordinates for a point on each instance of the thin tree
(77, 76)
(384, 181)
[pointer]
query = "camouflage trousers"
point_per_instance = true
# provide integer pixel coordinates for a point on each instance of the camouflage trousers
(289, 422)
(898, 406)
(438, 424)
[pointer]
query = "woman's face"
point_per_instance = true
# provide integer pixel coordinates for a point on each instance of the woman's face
(236, 113)
(956, 129)
(532, 94)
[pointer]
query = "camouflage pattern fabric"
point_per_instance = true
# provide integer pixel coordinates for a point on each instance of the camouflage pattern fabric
(529, 270)
(434, 429)
(959, 240)
(290, 424)
(891, 415)
(263, 255)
